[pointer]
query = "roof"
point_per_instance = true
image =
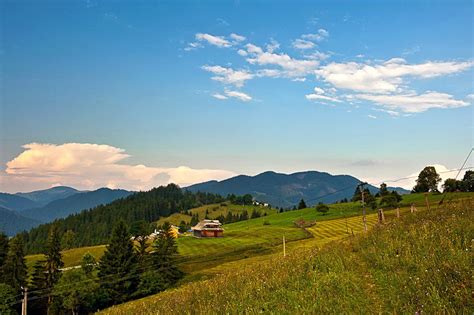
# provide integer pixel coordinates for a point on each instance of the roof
(208, 225)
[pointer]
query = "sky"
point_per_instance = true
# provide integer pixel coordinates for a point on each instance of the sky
(138, 94)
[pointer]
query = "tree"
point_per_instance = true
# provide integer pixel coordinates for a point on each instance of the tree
(391, 200)
(452, 185)
(67, 241)
(427, 181)
(3, 248)
(322, 208)
(467, 183)
(76, 291)
(7, 299)
(118, 275)
(15, 271)
(37, 288)
(88, 263)
(54, 261)
(163, 256)
(383, 191)
(302, 204)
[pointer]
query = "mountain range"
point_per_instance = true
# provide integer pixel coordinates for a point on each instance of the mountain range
(286, 190)
(22, 211)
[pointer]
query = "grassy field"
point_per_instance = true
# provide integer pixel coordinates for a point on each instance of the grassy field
(256, 237)
(214, 211)
(420, 263)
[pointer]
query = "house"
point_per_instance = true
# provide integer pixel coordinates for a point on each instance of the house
(208, 228)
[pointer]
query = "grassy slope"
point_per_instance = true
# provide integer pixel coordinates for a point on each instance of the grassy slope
(421, 263)
(214, 211)
(249, 238)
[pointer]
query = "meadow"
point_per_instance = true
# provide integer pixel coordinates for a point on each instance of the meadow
(419, 263)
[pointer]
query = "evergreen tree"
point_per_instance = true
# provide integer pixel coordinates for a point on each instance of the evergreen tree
(67, 241)
(37, 288)
(3, 249)
(383, 191)
(7, 299)
(15, 271)
(467, 183)
(302, 204)
(321, 207)
(76, 291)
(88, 263)
(54, 261)
(164, 255)
(118, 275)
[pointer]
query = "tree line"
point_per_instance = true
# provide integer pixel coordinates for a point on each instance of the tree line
(93, 226)
(127, 270)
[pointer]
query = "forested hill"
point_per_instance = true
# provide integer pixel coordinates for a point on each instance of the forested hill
(94, 226)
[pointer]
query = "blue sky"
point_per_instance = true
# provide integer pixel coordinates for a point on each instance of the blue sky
(137, 94)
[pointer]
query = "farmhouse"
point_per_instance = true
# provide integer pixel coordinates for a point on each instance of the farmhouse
(208, 228)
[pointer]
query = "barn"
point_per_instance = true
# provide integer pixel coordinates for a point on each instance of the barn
(208, 228)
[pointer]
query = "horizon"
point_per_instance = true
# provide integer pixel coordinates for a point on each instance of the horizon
(137, 95)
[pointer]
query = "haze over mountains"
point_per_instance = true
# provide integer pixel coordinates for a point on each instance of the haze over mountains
(22, 211)
(286, 190)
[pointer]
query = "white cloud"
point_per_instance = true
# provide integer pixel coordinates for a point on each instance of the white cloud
(317, 55)
(239, 95)
(319, 36)
(242, 52)
(413, 103)
(290, 66)
(470, 97)
(272, 73)
(90, 166)
(442, 170)
(372, 116)
(299, 79)
(302, 44)
(386, 77)
(229, 75)
(218, 41)
(319, 97)
(319, 90)
(193, 46)
(272, 46)
(237, 38)
(219, 96)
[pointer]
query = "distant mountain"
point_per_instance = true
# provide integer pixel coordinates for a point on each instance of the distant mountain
(12, 222)
(43, 197)
(75, 203)
(16, 203)
(286, 190)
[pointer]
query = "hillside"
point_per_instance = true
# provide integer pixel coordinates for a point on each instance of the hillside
(11, 222)
(43, 197)
(75, 203)
(286, 190)
(385, 271)
(16, 203)
(93, 226)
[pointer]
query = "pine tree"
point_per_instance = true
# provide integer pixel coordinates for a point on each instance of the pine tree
(302, 204)
(15, 271)
(3, 248)
(118, 275)
(164, 256)
(37, 289)
(54, 261)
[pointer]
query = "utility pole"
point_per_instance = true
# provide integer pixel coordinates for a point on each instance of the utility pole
(364, 219)
(24, 306)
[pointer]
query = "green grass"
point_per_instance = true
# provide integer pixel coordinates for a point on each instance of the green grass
(420, 263)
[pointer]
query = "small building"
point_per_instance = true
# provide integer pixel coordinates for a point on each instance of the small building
(208, 228)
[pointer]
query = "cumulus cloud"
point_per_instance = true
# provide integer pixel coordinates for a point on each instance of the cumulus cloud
(302, 44)
(291, 67)
(272, 46)
(319, 97)
(218, 41)
(219, 96)
(372, 116)
(386, 77)
(413, 103)
(229, 75)
(90, 166)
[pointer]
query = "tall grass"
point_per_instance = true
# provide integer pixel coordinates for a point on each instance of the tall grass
(420, 263)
